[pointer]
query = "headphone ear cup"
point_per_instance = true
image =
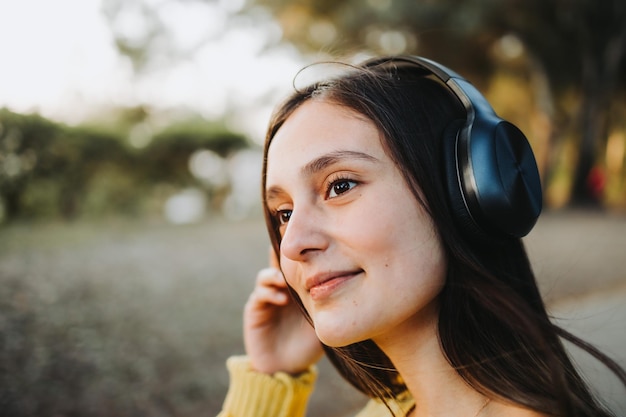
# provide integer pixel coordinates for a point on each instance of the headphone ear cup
(458, 206)
(503, 199)
(508, 188)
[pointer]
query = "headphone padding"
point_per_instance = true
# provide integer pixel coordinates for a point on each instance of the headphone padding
(458, 206)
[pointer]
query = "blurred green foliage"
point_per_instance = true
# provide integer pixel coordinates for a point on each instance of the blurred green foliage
(51, 170)
(169, 150)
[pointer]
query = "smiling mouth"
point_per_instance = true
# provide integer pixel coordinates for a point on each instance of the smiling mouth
(323, 287)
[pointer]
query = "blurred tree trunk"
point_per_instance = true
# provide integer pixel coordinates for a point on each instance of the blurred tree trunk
(12, 203)
(593, 125)
(603, 55)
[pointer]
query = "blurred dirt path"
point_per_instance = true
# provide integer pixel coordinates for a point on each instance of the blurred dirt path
(577, 252)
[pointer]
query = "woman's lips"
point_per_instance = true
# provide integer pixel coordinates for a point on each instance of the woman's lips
(322, 286)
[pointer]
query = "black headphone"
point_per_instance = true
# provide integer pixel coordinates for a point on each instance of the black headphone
(491, 173)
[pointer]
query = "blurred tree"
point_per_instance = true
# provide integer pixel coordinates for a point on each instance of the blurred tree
(25, 149)
(45, 167)
(144, 31)
(137, 29)
(450, 31)
(576, 45)
(81, 152)
(49, 169)
(580, 45)
(167, 155)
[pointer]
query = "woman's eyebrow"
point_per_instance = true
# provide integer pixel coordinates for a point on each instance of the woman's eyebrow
(326, 160)
(273, 193)
(319, 164)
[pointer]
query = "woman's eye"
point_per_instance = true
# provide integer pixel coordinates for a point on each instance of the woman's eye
(339, 187)
(283, 216)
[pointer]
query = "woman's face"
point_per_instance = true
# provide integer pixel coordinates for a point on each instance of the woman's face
(357, 247)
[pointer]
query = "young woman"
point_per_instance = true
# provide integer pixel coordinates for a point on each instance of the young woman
(395, 201)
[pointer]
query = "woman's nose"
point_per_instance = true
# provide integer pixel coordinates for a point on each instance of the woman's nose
(304, 235)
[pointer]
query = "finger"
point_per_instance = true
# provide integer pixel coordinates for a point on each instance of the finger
(270, 277)
(268, 295)
(273, 258)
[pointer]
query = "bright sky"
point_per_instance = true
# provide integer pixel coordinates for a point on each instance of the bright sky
(58, 58)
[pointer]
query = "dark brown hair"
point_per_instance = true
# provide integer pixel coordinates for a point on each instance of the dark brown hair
(493, 325)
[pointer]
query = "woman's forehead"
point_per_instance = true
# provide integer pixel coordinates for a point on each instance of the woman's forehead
(319, 127)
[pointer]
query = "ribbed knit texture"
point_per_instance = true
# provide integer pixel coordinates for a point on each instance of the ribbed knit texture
(254, 394)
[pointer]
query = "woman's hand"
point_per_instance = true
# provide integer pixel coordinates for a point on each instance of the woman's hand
(277, 336)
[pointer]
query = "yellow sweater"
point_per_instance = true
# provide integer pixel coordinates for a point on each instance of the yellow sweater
(254, 394)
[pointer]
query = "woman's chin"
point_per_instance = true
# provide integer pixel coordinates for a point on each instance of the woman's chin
(337, 339)
(335, 328)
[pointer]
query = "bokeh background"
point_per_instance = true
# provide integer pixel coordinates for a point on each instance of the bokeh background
(130, 136)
